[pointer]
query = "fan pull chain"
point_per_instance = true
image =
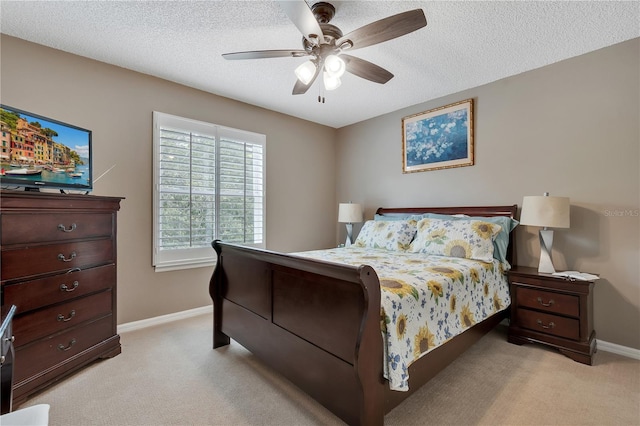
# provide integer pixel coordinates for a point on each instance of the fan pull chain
(321, 94)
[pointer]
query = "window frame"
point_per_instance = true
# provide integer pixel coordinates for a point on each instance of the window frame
(197, 257)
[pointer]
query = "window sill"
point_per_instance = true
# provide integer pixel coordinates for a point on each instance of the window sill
(177, 266)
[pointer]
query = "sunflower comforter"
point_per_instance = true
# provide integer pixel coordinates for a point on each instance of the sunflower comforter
(425, 299)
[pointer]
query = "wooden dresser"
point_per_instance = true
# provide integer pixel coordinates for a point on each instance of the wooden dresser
(58, 267)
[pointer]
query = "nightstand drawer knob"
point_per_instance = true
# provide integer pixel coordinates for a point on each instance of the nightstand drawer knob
(551, 302)
(551, 324)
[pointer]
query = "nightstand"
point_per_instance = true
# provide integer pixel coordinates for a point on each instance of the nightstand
(552, 311)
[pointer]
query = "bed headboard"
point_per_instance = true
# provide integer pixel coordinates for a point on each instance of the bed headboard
(509, 211)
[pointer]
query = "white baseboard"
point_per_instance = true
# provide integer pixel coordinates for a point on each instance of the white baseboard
(163, 319)
(618, 349)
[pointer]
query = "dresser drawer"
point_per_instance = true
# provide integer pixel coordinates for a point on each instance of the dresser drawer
(46, 353)
(34, 294)
(554, 325)
(35, 260)
(548, 301)
(54, 319)
(54, 227)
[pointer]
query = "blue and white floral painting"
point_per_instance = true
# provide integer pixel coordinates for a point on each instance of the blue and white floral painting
(439, 138)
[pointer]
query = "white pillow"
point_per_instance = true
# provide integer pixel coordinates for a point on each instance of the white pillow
(470, 239)
(390, 235)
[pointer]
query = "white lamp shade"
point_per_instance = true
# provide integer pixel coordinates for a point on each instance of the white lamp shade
(545, 211)
(349, 213)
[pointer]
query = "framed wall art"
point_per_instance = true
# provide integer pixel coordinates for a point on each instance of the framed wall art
(440, 138)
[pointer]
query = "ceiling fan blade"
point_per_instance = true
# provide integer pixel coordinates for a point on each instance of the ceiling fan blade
(365, 69)
(261, 54)
(301, 15)
(300, 88)
(385, 29)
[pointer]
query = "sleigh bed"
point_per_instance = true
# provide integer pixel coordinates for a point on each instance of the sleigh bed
(319, 323)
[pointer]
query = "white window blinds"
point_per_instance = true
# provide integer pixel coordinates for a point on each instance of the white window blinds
(209, 184)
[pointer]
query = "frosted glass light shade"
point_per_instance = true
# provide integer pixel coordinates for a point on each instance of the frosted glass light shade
(330, 82)
(334, 65)
(349, 213)
(305, 72)
(545, 211)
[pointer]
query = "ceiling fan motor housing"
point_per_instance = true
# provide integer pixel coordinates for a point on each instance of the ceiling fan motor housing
(331, 34)
(323, 11)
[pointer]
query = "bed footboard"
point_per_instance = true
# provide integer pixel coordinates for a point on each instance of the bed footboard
(316, 323)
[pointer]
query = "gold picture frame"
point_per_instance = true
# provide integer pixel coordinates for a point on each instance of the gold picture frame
(440, 138)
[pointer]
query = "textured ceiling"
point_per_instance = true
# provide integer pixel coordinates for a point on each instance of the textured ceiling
(465, 44)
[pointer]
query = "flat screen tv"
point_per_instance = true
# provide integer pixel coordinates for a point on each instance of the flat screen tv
(39, 152)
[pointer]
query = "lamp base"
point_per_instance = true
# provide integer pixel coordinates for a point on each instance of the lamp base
(349, 234)
(546, 241)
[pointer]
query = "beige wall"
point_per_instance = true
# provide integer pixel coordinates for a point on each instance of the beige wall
(571, 129)
(117, 104)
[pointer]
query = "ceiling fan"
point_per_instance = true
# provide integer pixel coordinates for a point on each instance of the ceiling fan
(326, 44)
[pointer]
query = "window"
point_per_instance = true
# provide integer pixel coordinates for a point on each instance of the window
(208, 184)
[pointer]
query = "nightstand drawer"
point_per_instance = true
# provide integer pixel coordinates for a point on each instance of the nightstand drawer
(548, 301)
(550, 324)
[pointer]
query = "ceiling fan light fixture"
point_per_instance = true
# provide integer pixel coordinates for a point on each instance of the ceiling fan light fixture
(334, 65)
(330, 82)
(305, 72)
(325, 44)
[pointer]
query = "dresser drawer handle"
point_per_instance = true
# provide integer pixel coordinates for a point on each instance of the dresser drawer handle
(63, 319)
(61, 347)
(64, 287)
(551, 324)
(65, 229)
(551, 302)
(64, 259)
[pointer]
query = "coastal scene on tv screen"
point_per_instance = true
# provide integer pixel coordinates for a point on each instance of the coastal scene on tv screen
(35, 149)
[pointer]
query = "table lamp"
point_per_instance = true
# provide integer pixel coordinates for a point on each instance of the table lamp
(547, 212)
(349, 213)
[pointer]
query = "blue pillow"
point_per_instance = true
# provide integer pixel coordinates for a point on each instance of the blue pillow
(398, 216)
(501, 241)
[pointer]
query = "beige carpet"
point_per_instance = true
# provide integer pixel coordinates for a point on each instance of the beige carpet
(169, 375)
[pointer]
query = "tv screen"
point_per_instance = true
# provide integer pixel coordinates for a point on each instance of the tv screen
(40, 152)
